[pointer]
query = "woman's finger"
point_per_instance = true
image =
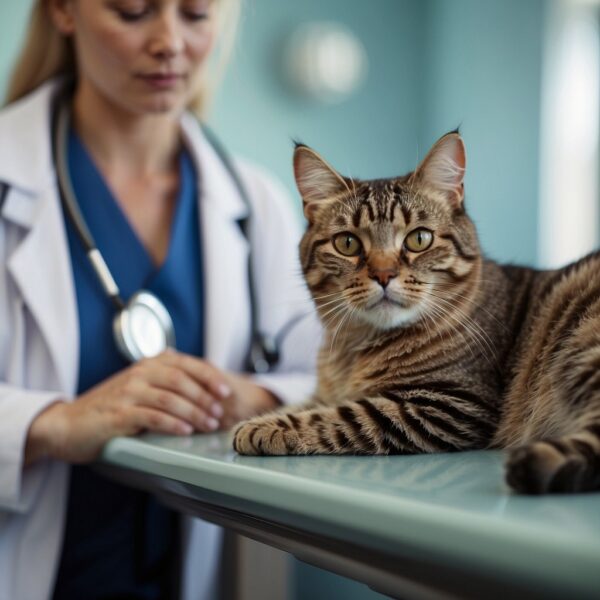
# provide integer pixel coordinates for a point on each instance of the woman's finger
(179, 407)
(179, 382)
(158, 421)
(211, 378)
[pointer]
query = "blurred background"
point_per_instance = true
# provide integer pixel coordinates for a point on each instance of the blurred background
(520, 78)
(372, 85)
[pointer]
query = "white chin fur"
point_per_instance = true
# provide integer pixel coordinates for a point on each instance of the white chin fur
(390, 316)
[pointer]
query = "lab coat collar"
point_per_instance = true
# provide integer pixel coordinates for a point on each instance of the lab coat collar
(27, 164)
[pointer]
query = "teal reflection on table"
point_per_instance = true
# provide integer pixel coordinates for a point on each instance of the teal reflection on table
(465, 482)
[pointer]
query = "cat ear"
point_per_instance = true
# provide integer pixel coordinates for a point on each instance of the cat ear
(443, 169)
(318, 182)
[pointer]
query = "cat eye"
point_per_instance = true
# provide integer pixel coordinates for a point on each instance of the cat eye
(347, 244)
(419, 240)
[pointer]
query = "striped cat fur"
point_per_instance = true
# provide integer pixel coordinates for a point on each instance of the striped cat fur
(428, 347)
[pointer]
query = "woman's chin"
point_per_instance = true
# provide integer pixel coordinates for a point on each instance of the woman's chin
(161, 105)
(154, 103)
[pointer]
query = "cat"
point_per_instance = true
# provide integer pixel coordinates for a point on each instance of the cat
(429, 347)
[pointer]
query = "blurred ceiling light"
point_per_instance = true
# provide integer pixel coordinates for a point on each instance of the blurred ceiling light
(570, 130)
(325, 61)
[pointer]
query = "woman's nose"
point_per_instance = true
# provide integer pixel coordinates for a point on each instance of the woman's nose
(167, 38)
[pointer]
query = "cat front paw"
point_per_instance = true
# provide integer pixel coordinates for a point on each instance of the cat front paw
(265, 436)
(541, 468)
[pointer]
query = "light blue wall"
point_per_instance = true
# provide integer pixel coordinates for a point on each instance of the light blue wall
(434, 64)
(483, 72)
(13, 18)
(373, 134)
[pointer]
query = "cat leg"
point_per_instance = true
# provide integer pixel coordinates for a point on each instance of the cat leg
(570, 460)
(280, 432)
(376, 425)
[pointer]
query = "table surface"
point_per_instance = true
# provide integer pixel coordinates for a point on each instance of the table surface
(453, 509)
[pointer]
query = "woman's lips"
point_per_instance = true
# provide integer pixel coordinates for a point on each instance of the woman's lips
(161, 81)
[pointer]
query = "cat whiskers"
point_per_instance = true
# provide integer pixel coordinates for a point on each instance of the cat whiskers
(336, 299)
(440, 313)
(480, 336)
(483, 333)
(330, 302)
(436, 285)
(477, 335)
(443, 315)
(346, 318)
(339, 306)
(417, 298)
(323, 296)
(341, 310)
(425, 317)
(302, 302)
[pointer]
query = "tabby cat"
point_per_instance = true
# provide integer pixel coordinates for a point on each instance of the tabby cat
(428, 346)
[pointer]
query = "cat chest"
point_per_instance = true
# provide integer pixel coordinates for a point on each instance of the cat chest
(344, 380)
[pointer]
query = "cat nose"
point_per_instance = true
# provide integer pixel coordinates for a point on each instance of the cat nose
(383, 276)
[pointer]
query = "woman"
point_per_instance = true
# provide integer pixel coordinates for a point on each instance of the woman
(144, 176)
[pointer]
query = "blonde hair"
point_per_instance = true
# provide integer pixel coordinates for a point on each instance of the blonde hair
(46, 53)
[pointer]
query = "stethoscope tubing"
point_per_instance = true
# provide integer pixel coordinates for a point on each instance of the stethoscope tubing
(71, 205)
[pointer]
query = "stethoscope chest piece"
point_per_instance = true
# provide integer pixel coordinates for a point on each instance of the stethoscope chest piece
(143, 328)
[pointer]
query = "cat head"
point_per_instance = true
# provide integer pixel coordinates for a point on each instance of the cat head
(388, 252)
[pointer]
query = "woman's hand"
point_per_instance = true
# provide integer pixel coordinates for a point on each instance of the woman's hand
(247, 399)
(172, 393)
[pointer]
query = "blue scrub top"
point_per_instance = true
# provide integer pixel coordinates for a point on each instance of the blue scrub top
(120, 542)
(176, 282)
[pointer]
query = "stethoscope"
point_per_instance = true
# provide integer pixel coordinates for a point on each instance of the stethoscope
(142, 325)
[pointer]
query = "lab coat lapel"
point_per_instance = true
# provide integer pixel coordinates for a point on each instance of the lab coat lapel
(226, 319)
(225, 255)
(39, 262)
(41, 269)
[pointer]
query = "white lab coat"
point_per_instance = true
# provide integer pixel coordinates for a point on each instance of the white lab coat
(39, 329)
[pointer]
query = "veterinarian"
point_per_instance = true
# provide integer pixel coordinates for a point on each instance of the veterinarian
(147, 283)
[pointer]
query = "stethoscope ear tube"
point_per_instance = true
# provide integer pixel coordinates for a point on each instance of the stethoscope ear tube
(69, 200)
(263, 353)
